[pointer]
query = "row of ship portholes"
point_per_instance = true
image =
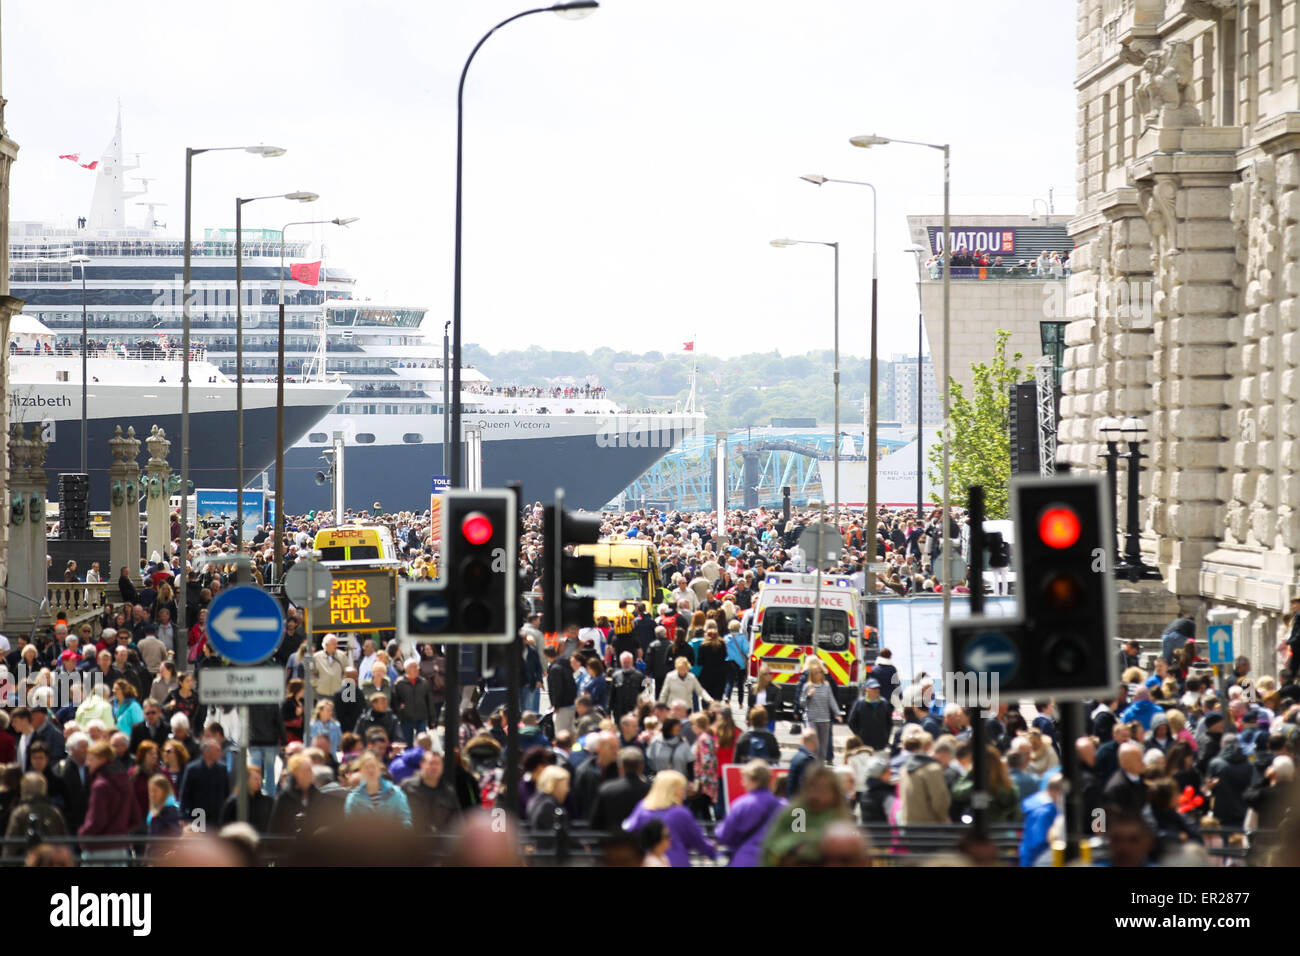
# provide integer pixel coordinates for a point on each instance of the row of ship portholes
(365, 438)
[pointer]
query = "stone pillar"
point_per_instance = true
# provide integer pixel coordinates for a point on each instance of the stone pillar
(124, 508)
(1184, 184)
(26, 512)
(158, 474)
(9, 306)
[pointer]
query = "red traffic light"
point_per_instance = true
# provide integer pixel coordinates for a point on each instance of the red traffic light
(1058, 527)
(476, 527)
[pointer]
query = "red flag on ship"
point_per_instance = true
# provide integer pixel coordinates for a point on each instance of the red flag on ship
(76, 158)
(308, 273)
(688, 346)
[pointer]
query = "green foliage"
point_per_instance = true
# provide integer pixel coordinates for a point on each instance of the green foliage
(734, 392)
(980, 449)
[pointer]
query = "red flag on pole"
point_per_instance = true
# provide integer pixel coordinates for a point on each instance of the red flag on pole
(688, 346)
(75, 157)
(308, 273)
(91, 165)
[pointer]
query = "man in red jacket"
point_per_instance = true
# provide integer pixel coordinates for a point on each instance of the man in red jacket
(112, 809)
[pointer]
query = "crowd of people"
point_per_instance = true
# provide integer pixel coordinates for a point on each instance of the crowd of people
(981, 264)
(627, 727)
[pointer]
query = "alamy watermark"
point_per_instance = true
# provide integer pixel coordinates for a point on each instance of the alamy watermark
(1131, 302)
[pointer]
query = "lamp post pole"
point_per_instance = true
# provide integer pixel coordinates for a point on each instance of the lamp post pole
(279, 395)
(456, 455)
(818, 180)
(239, 368)
(835, 246)
(190, 153)
(85, 334)
(946, 520)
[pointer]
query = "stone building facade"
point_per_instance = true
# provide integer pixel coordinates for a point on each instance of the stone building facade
(1185, 294)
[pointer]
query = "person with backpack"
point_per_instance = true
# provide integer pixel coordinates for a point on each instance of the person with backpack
(758, 743)
(35, 818)
(872, 717)
(625, 686)
(659, 658)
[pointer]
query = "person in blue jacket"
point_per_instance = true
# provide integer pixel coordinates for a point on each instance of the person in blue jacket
(1142, 709)
(1041, 810)
(375, 795)
(737, 661)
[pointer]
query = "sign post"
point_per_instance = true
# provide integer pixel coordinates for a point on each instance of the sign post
(245, 625)
(308, 586)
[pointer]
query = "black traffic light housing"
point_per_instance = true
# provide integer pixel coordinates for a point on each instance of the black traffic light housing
(480, 550)
(561, 529)
(1060, 643)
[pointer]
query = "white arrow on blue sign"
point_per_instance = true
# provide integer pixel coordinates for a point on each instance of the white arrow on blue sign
(1220, 638)
(993, 653)
(245, 624)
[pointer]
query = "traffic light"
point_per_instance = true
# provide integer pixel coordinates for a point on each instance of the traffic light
(1059, 644)
(480, 548)
(1063, 526)
(561, 529)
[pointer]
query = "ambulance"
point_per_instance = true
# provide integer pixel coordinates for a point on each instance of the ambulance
(782, 636)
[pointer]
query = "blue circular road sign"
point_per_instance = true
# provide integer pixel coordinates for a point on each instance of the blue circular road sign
(992, 652)
(245, 624)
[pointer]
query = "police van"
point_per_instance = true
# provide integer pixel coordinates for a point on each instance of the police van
(782, 636)
(357, 545)
(363, 597)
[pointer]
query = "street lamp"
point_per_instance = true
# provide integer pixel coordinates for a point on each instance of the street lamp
(1133, 430)
(818, 180)
(781, 244)
(279, 395)
(567, 11)
(299, 196)
(866, 142)
(85, 334)
(919, 251)
(266, 152)
(1109, 431)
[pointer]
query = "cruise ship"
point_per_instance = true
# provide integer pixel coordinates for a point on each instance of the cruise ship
(360, 371)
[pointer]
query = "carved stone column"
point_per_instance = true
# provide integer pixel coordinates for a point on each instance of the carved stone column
(26, 513)
(1184, 189)
(157, 477)
(124, 507)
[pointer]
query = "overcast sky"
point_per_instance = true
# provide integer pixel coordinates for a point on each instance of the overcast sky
(623, 173)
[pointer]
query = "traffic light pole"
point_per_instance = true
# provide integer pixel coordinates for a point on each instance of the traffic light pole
(1072, 719)
(979, 800)
(514, 666)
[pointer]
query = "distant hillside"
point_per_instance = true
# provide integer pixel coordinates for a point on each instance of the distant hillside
(734, 392)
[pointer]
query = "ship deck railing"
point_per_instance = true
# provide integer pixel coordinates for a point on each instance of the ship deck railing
(198, 353)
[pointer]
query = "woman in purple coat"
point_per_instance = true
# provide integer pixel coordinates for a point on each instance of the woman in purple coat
(664, 803)
(749, 817)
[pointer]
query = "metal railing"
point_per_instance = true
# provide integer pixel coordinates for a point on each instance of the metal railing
(888, 845)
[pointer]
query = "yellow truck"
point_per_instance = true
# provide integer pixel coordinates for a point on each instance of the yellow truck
(626, 570)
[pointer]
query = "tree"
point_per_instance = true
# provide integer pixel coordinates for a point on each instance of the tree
(980, 449)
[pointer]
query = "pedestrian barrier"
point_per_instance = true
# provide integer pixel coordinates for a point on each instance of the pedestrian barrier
(888, 845)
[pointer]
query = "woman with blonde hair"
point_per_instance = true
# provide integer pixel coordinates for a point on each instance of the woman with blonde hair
(1042, 755)
(764, 693)
(546, 811)
(664, 803)
(682, 685)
